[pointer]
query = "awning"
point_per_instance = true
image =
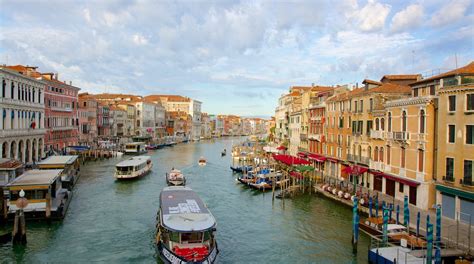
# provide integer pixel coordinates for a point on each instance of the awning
(296, 175)
(355, 170)
(301, 154)
(333, 159)
(317, 158)
(281, 148)
(395, 178)
(456, 192)
(303, 168)
(290, 160)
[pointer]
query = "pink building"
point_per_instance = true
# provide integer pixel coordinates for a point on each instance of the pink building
(87, 118)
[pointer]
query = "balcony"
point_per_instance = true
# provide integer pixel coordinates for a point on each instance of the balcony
(63, 128)
(399, 136)
(467, 182)
(377, 134)
(419, 136)
(358, 159)
(21, 132)
(376, 165)
(303, 137)
(61, 109)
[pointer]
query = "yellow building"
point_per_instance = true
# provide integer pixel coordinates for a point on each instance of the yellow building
(455, 140)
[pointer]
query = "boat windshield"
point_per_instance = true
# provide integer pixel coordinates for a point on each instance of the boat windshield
(194, 237)
(131, 147)
(124, 170)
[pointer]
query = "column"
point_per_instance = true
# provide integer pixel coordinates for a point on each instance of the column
(30, 151)
(15, 151)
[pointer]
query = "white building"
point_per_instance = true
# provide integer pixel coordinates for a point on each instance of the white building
(22, 128)
(144, 119)
(195, 112)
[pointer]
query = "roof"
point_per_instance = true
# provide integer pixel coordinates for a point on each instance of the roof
(321, 88)
(169, 98)
(391, 88)
(9, 164)
(133, 161)
(413, 77)
(59, 160)
(183, 210)
(468, 69)
(36, 177)
(135, 143)
(371, 82)
(25, 70)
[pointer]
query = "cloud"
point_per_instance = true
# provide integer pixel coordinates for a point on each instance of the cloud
(451, 12)
(407, 19)
(139, 39)
(372, 16)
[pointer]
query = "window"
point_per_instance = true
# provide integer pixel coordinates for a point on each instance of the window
(381, 154)
(361, 106)
(422, 121)
(421, 157)
(376, 155)
(432, 90)
(451, 133)
(369, 126)
(400, 187)
(452, 103)
(355, 106)
(449, 169)
(469, 102)
(360, 127)
(341, 122)
(382, 124)
(402, 158)
(468, 169)
(404, 121)
(13, 90)
(376, 124)
(371, 104)
(388, 155)
(415, 92)
(389, 122)
(469, 134)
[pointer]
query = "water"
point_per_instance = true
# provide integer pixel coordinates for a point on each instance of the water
(110, 221)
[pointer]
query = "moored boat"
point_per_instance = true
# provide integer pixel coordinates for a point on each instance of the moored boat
(135, 148)
(186, 228)
(175, 178)
(202, 161)
(133, 167)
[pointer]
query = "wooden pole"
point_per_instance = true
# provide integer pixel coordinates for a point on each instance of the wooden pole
(48, 206)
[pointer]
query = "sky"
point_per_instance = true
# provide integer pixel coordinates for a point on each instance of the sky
(235, 56)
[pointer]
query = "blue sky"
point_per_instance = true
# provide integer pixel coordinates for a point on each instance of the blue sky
(236, 56)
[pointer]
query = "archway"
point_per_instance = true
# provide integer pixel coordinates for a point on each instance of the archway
(33, 150)
(28, 151)
(12, 150)
(21, 155)
(4, 150)
(40, 148)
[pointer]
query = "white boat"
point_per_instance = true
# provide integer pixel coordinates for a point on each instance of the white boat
(202, 161)
(133, 167)
(135, 148)
(175, 178)
(186, 228)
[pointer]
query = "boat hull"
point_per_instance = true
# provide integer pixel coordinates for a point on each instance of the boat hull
(167, 256)
(176, 183)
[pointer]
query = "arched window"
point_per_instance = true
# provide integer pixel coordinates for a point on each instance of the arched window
(404, 121)
(369, 152)
(389, 122)
(360, 151)
(382, 124)
(376, 124)
(376, 154)
(4, 86)
(388, 155)
(13, 89)
(422, 121)
(381, 154)
(33, 95)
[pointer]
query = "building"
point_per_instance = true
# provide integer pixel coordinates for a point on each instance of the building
(206, 126)
(22, 127)
(455, 139)
(117, 121)
(88, 107)
(103, 120)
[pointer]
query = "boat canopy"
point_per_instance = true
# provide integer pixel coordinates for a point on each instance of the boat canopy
(182, 210)
(59, 160)
(133, 161)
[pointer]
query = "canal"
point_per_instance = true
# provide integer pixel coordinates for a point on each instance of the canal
(111, 221)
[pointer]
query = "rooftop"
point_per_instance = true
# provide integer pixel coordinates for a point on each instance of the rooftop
(59, 160)
(9, 164)
(468, 69)
(133, 161)
(168, 98)
(36, 177)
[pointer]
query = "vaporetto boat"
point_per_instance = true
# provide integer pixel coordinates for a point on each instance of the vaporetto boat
(185, 228)
(133, 167)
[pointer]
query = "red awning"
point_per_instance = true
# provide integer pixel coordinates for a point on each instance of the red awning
(395, 178)
(317, 157)
(290, 160)
(296, 175)
(333, 159)
(281, 148)
(301, 154)
(355, 170)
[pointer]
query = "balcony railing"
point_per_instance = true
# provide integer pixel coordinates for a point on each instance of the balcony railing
(358, 159)
(376, 165)
(21, 132)
(419, 136)
(467, 182)
(377, 134)
(399, 136)
(61, 109)
(63, 128)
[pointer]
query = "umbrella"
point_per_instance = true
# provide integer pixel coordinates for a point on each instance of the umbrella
(418, 223)
(406, 212)
(398, 213)
(370, 206)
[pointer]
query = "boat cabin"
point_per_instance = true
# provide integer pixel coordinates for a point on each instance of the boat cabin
(9, 170)
(186, 227)
(44, 191)
(69, 165)
(135, 148)
(133, 167)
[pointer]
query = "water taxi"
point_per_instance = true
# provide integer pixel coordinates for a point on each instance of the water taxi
(135, 148)
(43, 189)
(186, 228)
(202, 161)
(175, 178)
(69, 164)
(133, 167)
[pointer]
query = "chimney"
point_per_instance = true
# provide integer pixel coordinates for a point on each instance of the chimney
(312, 84)
(56, 76)
(357, 85)
(70, 83)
